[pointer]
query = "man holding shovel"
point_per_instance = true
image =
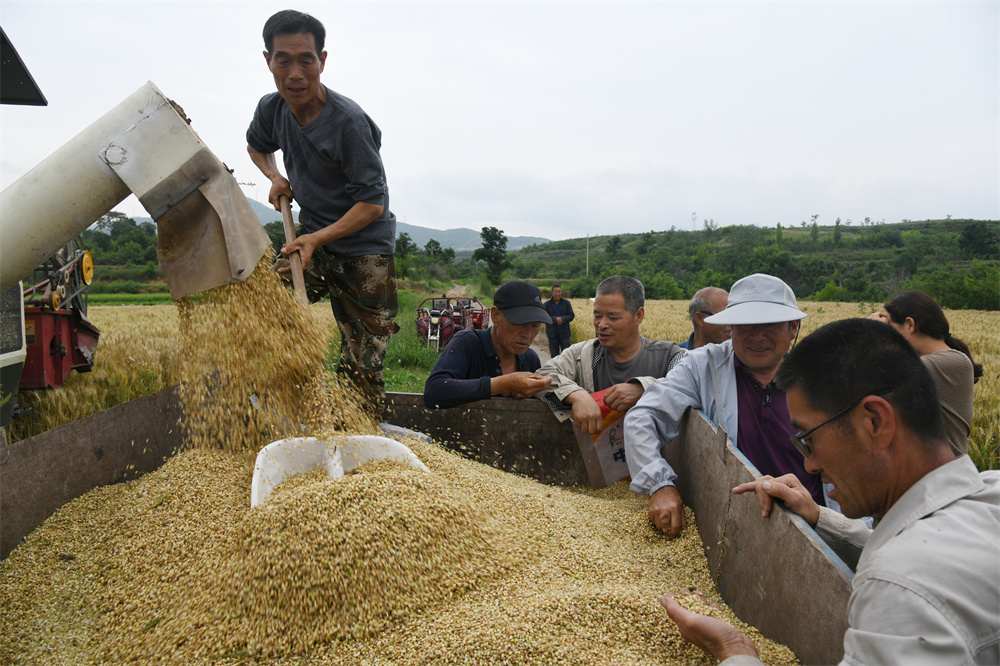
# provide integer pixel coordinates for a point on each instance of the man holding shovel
(330, 149)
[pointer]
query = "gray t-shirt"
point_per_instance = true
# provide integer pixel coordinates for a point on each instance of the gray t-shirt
(332, 163)
(654, 359)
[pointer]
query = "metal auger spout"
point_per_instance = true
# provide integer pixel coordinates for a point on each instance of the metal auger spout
(207, 234)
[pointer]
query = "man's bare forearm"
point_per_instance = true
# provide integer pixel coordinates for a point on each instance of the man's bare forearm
(357, 218)
(266, 162)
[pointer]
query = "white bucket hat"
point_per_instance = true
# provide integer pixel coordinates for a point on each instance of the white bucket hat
(759, 299)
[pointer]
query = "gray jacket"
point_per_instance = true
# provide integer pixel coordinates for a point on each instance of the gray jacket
(573, 370)
(704, 379)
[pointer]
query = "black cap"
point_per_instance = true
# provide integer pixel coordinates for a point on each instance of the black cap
(521, 303)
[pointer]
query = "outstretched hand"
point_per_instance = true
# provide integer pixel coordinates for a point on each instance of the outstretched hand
(586, 413)
(519, 384)
(788, 489)
(715, 637)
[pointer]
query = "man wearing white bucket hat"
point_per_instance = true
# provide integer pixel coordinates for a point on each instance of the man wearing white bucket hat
(733, 383)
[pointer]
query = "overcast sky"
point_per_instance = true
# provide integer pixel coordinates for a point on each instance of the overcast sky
(562, 119)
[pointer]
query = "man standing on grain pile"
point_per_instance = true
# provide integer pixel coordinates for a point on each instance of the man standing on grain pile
(926, 588)
(619, 360)
(733, 383)
(477, 365)
(330, 150)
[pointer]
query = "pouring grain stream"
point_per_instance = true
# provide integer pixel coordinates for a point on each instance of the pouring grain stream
(252, 369)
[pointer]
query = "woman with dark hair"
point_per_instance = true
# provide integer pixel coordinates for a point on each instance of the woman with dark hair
(921, 321)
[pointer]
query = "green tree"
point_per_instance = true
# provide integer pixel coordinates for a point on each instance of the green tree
(614, 247)
(830, 292)
(663, 286)
(493, 252)
(276, 232)
(439, 255)
(814, 232)
(405, 245)
(837, 233)
(433, 248)
(645, 243)
(981, 239)
(114, 223)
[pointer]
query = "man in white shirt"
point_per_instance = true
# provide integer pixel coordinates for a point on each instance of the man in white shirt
(927, 584)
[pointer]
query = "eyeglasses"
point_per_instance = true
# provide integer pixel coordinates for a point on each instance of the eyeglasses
(799, 439)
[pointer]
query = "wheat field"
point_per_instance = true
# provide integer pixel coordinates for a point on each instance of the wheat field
(139, 345)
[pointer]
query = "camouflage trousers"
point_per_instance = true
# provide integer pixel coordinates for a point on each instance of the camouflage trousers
(363, 297)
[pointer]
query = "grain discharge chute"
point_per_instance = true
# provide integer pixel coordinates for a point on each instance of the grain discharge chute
(207, 234)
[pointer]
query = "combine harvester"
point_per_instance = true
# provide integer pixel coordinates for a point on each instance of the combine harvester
(776, 574)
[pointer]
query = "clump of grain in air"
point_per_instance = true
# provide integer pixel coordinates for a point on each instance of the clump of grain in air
(252, 369)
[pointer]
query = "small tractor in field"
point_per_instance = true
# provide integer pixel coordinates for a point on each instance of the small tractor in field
(438, 319)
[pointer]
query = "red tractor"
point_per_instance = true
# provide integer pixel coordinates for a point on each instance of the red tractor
(438, 319)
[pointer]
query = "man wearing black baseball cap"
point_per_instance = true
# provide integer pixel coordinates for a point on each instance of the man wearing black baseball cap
(477, 365)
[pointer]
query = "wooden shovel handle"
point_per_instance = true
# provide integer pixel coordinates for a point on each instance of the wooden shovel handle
(295, 259)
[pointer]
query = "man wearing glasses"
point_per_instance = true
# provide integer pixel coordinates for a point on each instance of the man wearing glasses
(733, 383)
(926, 588)
(706, 302)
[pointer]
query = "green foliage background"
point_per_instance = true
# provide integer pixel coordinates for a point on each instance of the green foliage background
(955, 261)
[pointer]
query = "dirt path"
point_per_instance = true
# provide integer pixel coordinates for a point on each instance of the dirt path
(541, 345)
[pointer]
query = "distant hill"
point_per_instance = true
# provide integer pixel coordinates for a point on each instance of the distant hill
(461, 239)
(458, 239)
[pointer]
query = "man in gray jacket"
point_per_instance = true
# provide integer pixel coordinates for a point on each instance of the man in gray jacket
(619, 360)
(733, 383)
(926, 589)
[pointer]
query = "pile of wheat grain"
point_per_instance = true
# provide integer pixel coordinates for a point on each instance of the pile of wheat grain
(462, 564)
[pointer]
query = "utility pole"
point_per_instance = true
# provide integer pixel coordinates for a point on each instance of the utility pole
(588, 255)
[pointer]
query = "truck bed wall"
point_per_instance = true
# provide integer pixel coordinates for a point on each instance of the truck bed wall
(40, 474)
